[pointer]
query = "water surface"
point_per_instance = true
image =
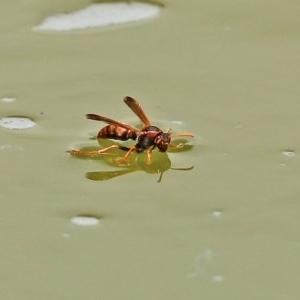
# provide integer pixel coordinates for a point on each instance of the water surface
(228, 229)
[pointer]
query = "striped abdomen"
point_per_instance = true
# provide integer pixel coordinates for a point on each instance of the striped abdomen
(117, 133)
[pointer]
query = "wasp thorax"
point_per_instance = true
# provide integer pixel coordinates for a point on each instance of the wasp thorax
(147, 139)
(144, 142)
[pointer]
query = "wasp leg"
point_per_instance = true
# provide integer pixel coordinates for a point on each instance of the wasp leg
(176, 146)
(149, 157)
(93, 153)
(182, 134)
(123, 159)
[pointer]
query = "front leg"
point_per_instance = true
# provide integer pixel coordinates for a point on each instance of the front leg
(149, 156)
(178, 146)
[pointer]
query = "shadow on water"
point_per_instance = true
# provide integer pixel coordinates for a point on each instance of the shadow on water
(160, 162)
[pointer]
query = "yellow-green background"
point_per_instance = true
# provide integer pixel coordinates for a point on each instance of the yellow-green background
(229, 70)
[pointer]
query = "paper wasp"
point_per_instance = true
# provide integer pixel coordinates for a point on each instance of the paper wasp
(148, 138)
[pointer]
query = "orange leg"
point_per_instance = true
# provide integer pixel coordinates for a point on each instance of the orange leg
(176, 146)
(93, 153)
(123, 159)
(149, 157)
(179, 135)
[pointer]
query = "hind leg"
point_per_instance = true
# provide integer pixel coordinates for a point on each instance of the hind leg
(94, 153)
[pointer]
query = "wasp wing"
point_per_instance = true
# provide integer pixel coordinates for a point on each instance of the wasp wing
(105, 175)
(137, 109)
(110, 121)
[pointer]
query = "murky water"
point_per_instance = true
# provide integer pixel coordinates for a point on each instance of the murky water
(227, 229)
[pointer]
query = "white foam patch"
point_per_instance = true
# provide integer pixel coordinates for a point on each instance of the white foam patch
(8, 99)
(16, 123)
(100, 15)
(85, 221)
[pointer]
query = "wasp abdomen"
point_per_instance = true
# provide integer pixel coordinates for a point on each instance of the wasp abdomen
(117, 133)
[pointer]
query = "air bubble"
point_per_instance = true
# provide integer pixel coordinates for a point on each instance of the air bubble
(17, 123)
(8, 99)
(217, 213)
(85, 220)
(289, 153)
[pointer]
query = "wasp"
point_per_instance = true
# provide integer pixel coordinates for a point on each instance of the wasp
(147, 139)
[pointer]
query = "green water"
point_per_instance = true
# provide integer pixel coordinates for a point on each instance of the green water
(227, 229)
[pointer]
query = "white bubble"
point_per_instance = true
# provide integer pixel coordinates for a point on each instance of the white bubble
(11, 147)
(100, 15)
(17, 123)
(217, 213)
(8, 99)
(288, 153)
(85, 220)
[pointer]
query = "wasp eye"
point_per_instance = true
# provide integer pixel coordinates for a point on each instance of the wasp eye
(163, 142)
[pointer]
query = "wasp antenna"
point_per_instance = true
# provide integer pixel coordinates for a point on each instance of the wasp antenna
(183, 169)
(169, 130)
(183, 134)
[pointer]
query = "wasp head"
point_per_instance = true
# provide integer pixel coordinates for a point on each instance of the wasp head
(162, 141)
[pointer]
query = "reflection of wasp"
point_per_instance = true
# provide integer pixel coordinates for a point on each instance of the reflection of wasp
(160, 164)
(148, 138)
